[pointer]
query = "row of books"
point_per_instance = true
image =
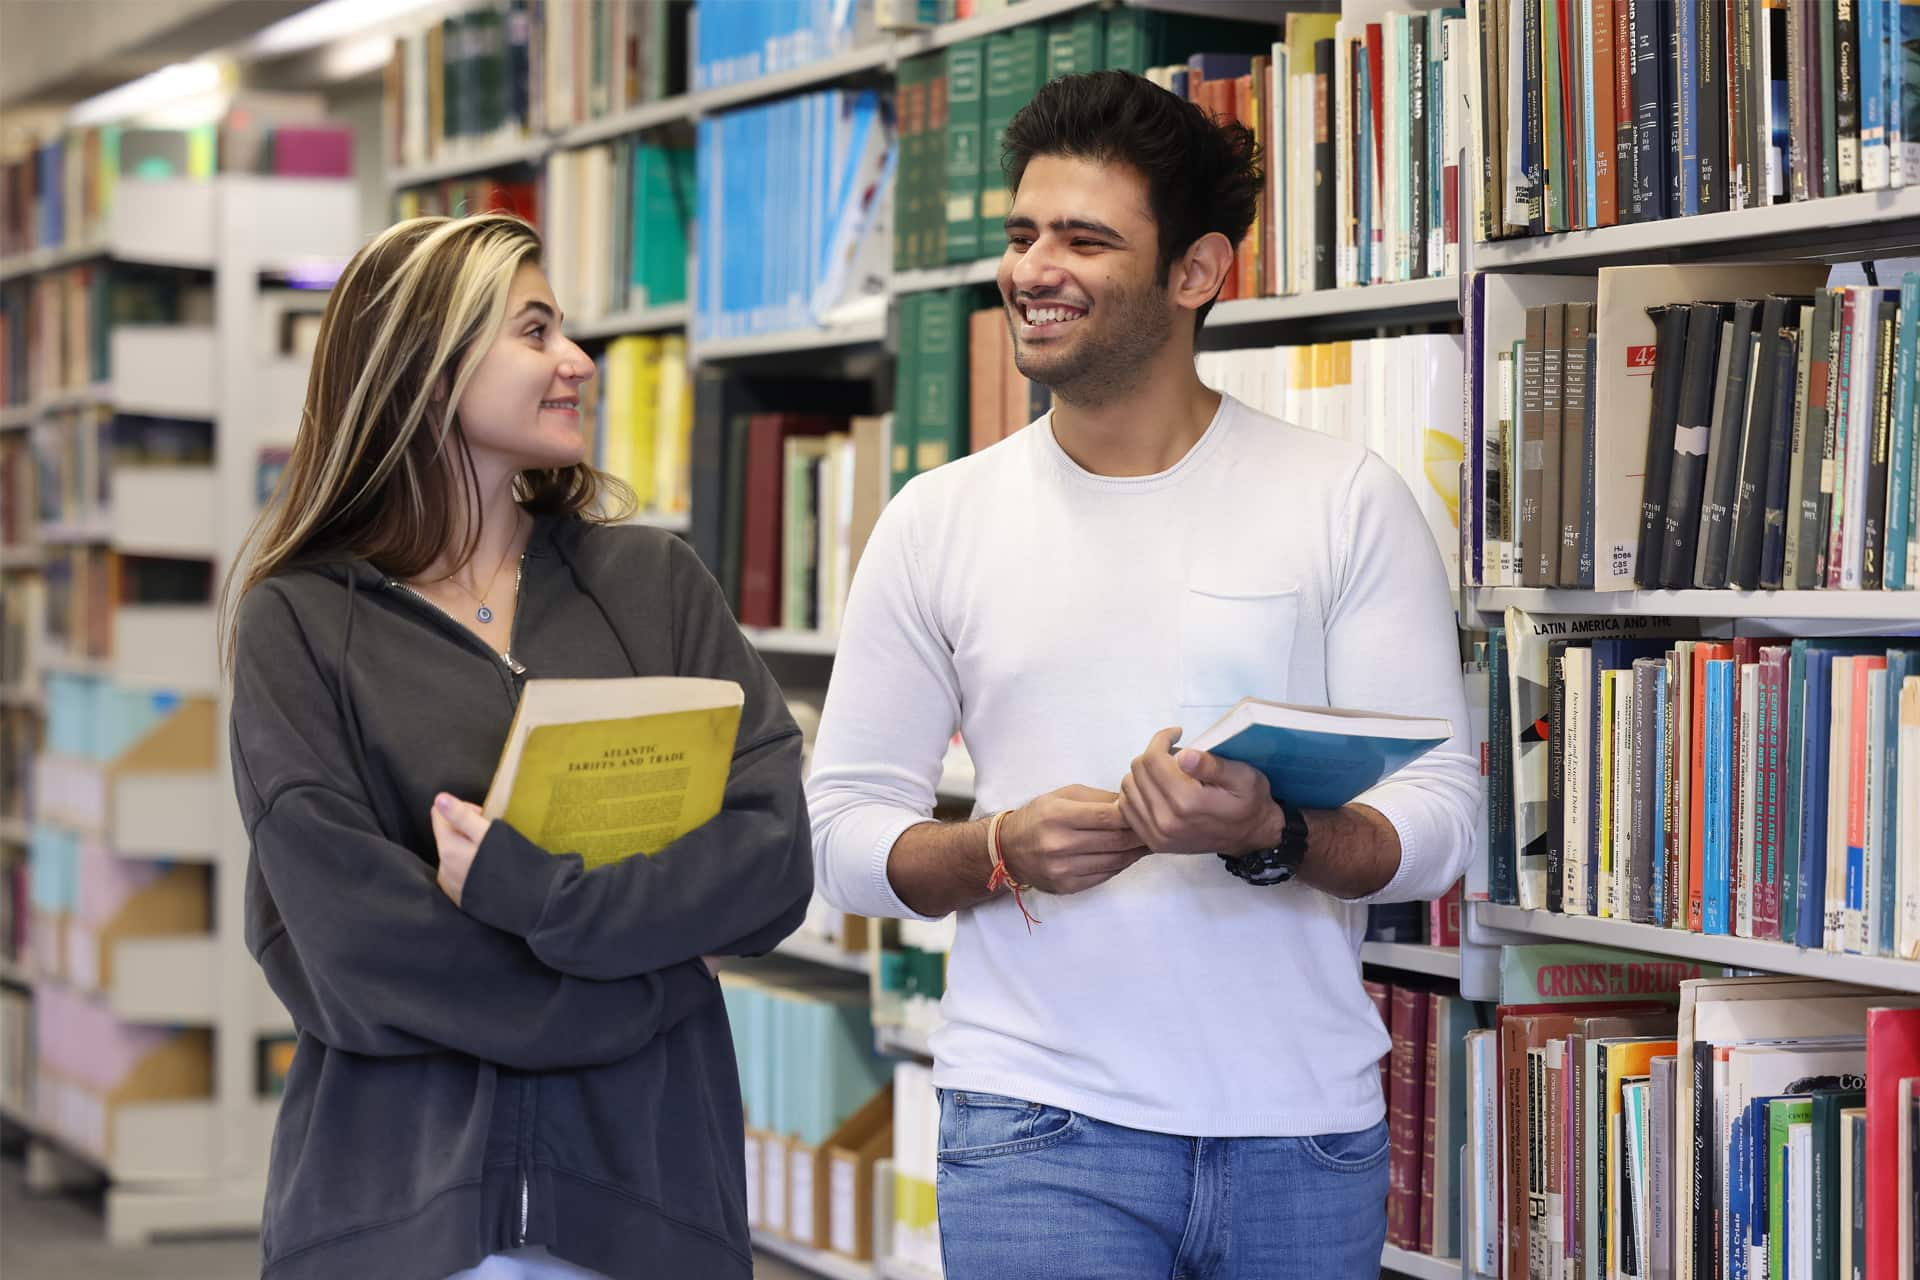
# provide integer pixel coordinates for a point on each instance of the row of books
(22, 618)
(86, 583)
(487, 193)
(805, 260)
(56, 328)
(1399, 396)
(16, 1052)
(641, 408)
(960, 390)
(1622, 111)
(60, 191)
(771, 36)
(87, 900)
(804, 1042)
(1724, 787)
(19, 740)
(1779, 445)
(1762, 1127)
(617, 229)
(507, 69)
(951, 196)
(1361, 124)
(1424, 1080)
(90, 1066)
(1433, 924)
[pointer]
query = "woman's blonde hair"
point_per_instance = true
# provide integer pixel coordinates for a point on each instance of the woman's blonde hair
(408, 323)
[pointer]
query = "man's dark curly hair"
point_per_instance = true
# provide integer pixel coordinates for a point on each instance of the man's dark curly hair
(1201, 176)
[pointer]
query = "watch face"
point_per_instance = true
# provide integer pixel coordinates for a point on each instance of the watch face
(1271, 873)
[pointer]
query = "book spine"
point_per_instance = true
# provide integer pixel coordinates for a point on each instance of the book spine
(1642, 797)
(1875, 544)
(1846, 92)
(1575, 501)
(1406, 1118)
(1430, 1092)
(1670, 337)
(1324, 174)
(1691, 439)
(1556, 775)
(1728, 443)
(1783, 438)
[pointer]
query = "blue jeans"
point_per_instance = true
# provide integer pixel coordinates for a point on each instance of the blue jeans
(1031, 1190)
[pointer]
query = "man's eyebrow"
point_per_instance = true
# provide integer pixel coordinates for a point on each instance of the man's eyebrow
(1022, 223)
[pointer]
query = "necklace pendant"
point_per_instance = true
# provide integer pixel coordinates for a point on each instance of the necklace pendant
(484, 614)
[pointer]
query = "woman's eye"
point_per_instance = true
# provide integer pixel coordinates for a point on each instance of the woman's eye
(538, 331)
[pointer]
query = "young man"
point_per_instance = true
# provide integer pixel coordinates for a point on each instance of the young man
(1173, 1071)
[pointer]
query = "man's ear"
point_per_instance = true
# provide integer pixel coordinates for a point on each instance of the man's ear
(1202, 270)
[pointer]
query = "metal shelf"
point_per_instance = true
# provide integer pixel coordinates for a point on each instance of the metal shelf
(951, 276)
(905, 1042)
(869, 57)
(499, 155)
(1744, 953)
(1823, 228)
(645, 320)
(1413, 957)
(1819, 606)
(816, 1261)
(864, 333)
(15, 831)
(1407, 1262)
(780, 640)
(1439, 296)
(832, 955)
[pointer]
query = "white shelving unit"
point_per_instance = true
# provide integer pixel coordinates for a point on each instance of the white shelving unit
(1413, 957)
(719, 350)
(813, 950)
(196, 1165)
(645, 320)
(1753, 606)
(819, 1262)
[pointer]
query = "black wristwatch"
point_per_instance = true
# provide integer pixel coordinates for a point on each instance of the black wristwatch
(1280, 863)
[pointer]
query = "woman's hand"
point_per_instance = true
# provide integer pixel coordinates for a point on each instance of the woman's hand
(458, 829)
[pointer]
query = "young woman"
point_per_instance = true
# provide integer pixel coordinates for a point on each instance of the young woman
(505, 1061)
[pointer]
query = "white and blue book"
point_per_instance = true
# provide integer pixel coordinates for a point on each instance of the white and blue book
(1319, 757)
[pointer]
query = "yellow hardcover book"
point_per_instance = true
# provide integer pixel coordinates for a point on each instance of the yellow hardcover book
(640, 421)
(673, 428)
(614, 448)
(1626, 1059)
(610, 768)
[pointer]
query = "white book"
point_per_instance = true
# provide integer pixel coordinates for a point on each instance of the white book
(1556, 1221)
(1859, 448)
(1576, 757)
(1344, 218)
(1483, 1240)
(1907, 945)
(1800, 1191)
(1748, 820)
(1518, 188)
(1868, 928)
(1839, 762)
(1497, 532)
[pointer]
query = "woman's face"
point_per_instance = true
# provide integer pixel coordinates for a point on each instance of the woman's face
(521, 411)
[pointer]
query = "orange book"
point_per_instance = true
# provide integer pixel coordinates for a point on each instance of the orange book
(1015, 398)
(1246, 106)
(1854, 928)
(985, 376)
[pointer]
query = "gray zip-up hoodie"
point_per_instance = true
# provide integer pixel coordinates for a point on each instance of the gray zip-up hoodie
(549, 1064)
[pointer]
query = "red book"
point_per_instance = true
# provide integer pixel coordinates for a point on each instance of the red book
(1893, 1053)
(1406, 1117)
(1443, 918)
(760, 541)
(1382, 996)
(1430, 1117)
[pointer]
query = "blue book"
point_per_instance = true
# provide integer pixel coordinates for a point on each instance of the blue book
(1905, 422)
(1319, 757)
(1810, 887)
(1364, 71)
(1658, 781)
(1687, 31)
(1719, 786)
(1872, 95)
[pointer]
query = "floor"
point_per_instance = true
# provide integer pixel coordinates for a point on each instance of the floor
(61, 1238)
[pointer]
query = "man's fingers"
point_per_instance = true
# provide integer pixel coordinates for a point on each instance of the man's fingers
(1087, 795)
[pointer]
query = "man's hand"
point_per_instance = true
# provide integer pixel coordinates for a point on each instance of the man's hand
(458, 829)
(1069, 840)
(1194, 802)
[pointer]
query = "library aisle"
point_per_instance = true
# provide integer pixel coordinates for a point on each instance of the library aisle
(1626, 293)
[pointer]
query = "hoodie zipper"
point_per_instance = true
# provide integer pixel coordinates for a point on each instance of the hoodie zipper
(509, 664)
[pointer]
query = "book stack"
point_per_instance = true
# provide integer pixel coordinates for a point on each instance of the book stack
(1623, 111)
(1398, 396)
(1424, 1080)
(768, 267)
(617, 226)
(1737, 787)
(641, 408)
(1681, 427)
(1757, 1126)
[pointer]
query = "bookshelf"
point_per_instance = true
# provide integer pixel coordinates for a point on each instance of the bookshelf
(817, 1261)
(1760, 608)
(1412, 957)
(857, 334)
(181, 1163)
(648, 320)
(802, 946)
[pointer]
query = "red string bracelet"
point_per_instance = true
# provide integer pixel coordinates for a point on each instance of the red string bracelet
(1000, 879)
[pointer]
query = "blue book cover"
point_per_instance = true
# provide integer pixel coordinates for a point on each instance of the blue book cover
(1872, 95)
(1899, 666)
(1719, 786)
(1905, 423)
(1319, 757)
(1687, 31)
(1810, 885)
(1795, 725)
(1364, 71)
(1738, 1169)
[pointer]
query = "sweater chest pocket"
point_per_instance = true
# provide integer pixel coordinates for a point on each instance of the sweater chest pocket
(1235, 642)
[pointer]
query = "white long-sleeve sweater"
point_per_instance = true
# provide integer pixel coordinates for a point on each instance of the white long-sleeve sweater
(1059, 619)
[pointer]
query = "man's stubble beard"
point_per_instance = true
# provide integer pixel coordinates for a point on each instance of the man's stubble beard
(1099, 373)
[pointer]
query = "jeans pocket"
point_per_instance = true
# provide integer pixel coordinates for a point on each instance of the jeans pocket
(1355, 1152)
(981, 1126)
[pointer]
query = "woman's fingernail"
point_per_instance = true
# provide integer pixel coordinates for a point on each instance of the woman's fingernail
(443, 802)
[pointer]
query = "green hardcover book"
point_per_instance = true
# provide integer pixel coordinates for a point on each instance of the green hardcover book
(933, 181)
(966, 123)
(1016, 65)
(1076, 43)
(1781, 1114)
(940, 380)
(799, 560)
(1829, 175)
(662, 206)
(1554, 88)
(906, 400)
(906, 183)
(1126, 41)
(1826, 1106)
